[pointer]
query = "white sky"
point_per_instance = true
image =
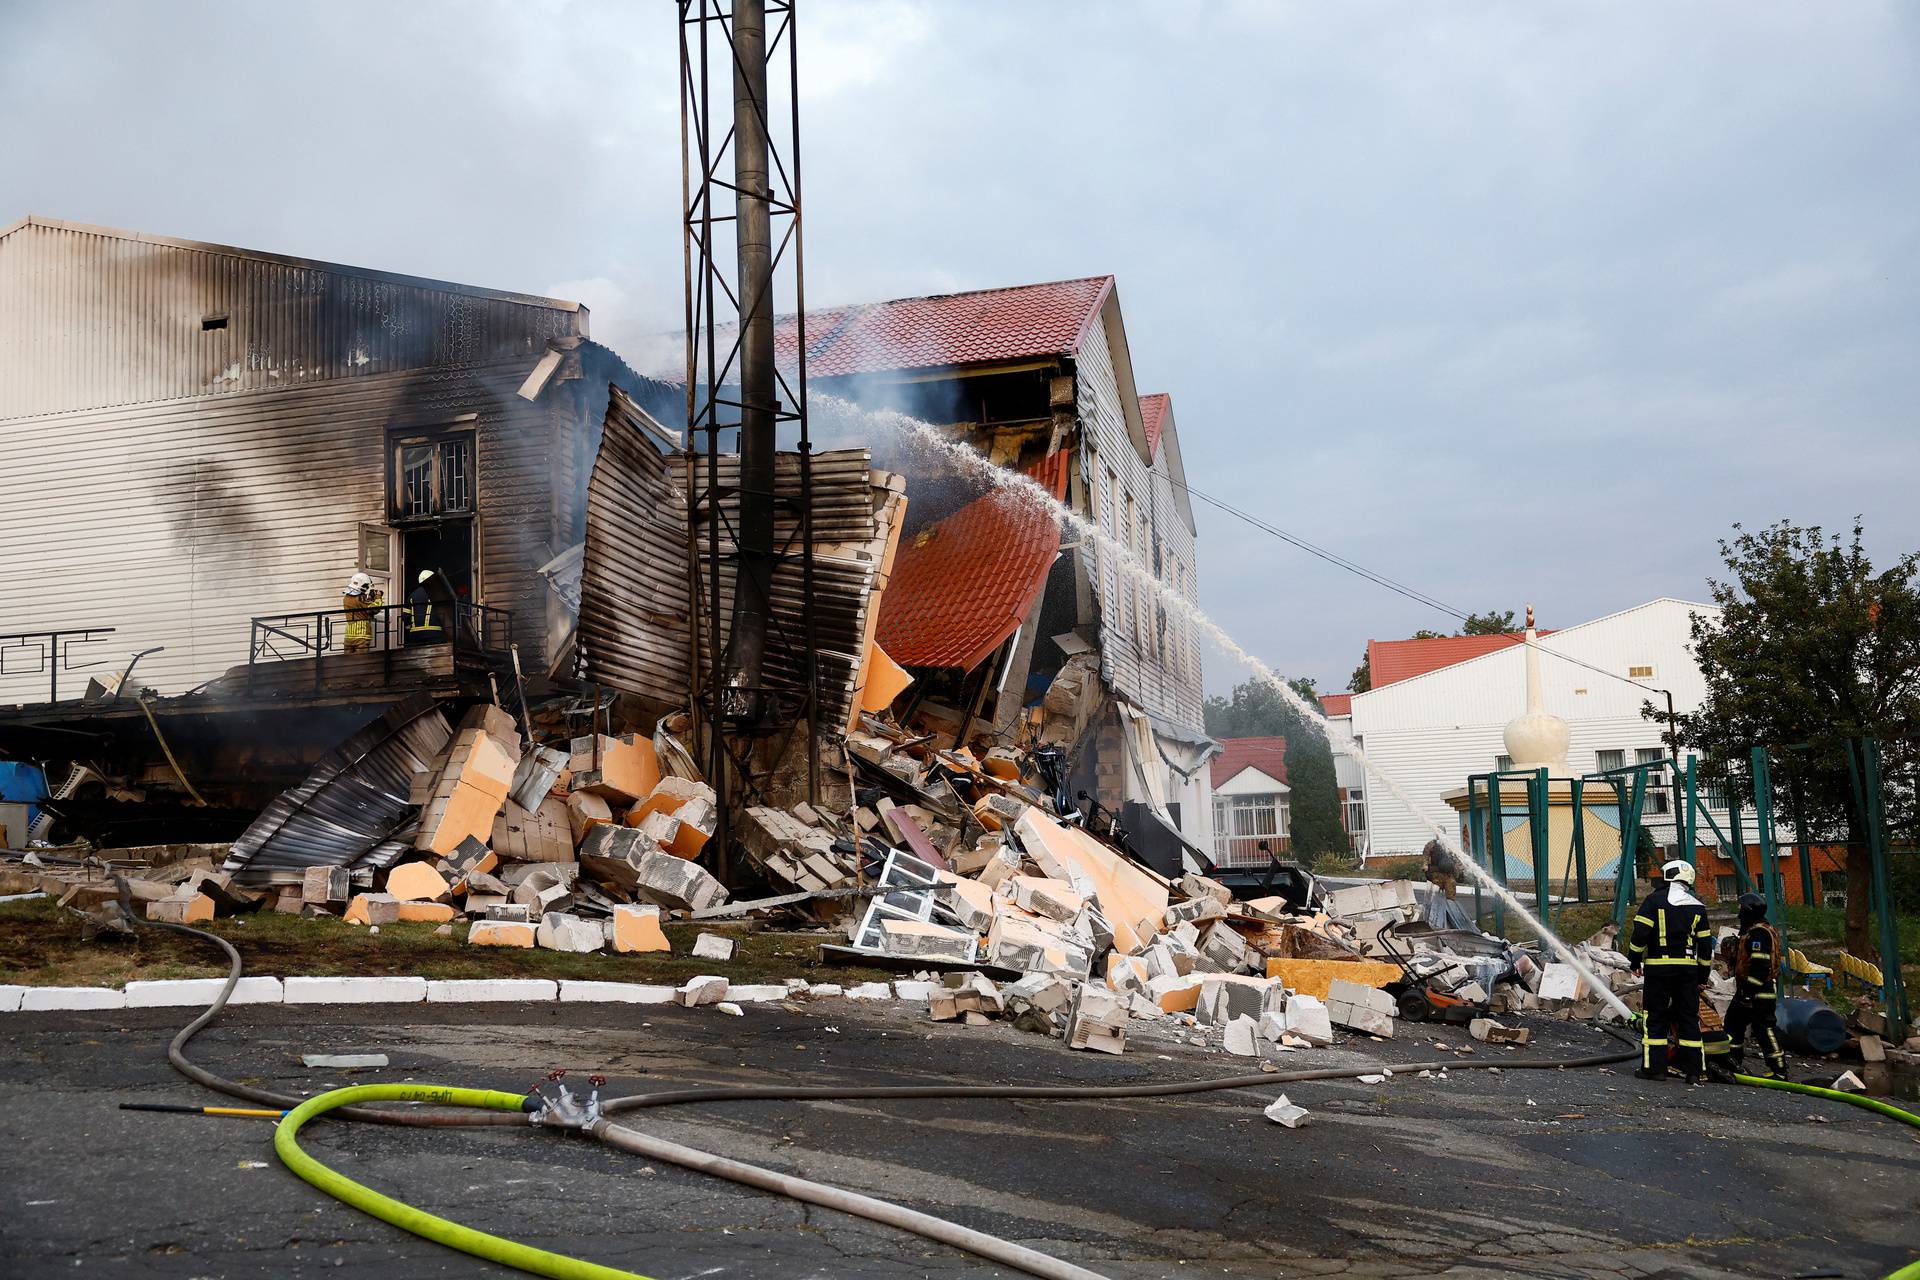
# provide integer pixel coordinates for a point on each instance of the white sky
(1509, 301)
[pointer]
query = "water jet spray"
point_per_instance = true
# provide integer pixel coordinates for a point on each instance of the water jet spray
(1034, 495)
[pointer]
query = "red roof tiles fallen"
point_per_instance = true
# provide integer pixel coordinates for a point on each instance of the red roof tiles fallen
(985, 326)
(1153, 413)
(1268, 755)
(966, 583)
(1336, 704)
(1392, 661)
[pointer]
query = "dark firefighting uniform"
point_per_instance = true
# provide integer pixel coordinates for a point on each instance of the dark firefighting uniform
(1756, 960)
(1672, 943)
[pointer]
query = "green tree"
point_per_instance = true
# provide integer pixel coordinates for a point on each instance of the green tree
(1813, 647)
(1487, 624)
(1257, 711)
(1477, 624)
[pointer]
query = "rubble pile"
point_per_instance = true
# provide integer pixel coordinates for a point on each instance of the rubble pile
(940, 860)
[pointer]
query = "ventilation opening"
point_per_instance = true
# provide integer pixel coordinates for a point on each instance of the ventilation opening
(210, 323)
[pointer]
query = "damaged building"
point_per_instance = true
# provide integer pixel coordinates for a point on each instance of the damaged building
(994, 615)
(207, 442)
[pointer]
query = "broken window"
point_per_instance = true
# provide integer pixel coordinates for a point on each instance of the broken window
(433, 476)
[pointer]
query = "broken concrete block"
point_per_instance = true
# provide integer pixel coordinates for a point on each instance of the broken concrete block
(425, 912)
(1559, 981)
(418, 882)
(677, 883)
(373, 908)
(1126, 973)
(1283, 1112)
(714, 946)
(1849, 1083)
(1226, 996)
(707, 989)
(467, 792)
(923, 938)
(323, 886)
(1306, 1018)
(1195, 885)
(1196, 910)
(969, 900)
(471, 857)
(1360, 1008)
(636, 928)
(1054, 899)
(1030, 944)
(1242, 1037)
(193, 908)
(1098, 1021)
(656, 829)
(1000, 866)
(1491, 1032)
(622, 770)
(586, 811)
(669, 795)
(1364, 899)
(1226, 948)
(1873, 1049)
(562, 932)
(541, 834)
(1179, 993)
(500, 933)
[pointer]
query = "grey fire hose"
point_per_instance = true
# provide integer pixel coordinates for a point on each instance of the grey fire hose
(939, 1230)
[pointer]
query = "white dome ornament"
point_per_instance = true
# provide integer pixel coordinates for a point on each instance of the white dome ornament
(1537, 738)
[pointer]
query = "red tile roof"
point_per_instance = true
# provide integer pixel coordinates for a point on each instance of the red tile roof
(1153, 413)
(1392, 661)
(965, 583)
(1336, 704)
(982, 327)
(1268, 755)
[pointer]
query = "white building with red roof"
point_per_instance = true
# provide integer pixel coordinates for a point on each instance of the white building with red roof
(1438, 709)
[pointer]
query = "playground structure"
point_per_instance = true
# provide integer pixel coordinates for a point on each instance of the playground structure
(1593, 847)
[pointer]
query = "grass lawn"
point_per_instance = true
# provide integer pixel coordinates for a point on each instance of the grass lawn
(40, 945)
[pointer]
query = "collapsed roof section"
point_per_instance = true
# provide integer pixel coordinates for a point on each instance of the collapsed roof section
(963, 585)
(353, 804)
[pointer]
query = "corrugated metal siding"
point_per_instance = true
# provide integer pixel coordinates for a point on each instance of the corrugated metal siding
(634, 608)
(90, 318)
(849, 539)
(177, 522)
(1130, 662)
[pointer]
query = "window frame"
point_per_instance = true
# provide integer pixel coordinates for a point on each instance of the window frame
(442, 444)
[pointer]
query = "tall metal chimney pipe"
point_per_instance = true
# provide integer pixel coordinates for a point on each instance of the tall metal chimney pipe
(753, 583)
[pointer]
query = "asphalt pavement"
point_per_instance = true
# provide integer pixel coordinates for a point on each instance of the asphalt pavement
(1516, 1173)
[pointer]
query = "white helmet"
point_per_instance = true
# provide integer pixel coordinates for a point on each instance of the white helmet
(425, 576)
(358, 584)
(1679, 869)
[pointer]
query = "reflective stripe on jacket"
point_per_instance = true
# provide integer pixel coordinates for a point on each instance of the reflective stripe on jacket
(1669, 934)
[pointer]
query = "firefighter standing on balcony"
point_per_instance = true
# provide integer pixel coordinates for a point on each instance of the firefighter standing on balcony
(1756, 958)
(1672, 943)
(427, 609)
(360, 601)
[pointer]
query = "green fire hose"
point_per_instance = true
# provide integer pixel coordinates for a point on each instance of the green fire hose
(1886, 1109)
(511, 1253)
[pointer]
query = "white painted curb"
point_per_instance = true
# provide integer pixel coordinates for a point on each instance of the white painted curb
(170, 992)
(192, 992)
(483, 990)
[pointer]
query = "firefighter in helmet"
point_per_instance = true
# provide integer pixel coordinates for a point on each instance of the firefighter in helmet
(360, 600)
(428, 609)
(1672, 945)
(1756, 959)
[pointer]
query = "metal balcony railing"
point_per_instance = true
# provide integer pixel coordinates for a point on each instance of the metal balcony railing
(470, 628)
